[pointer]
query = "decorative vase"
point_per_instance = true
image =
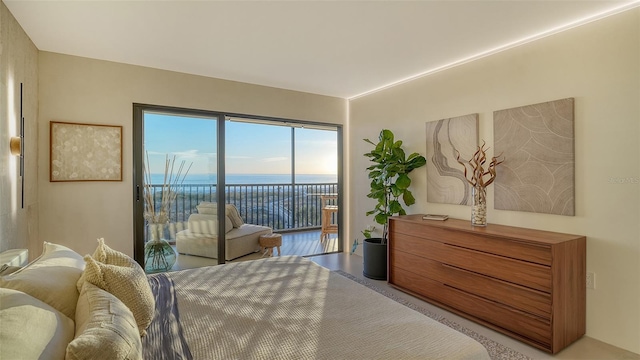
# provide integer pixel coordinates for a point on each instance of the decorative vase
(479, 206)
(158, 253)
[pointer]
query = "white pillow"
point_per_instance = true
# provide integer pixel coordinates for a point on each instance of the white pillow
(209, 208)
(234, 215)
(200, 224)
(31, 329)
(50, 278)
(127, 283)
(105, 328)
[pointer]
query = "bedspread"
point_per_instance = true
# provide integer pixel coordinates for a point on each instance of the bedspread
(291, 308)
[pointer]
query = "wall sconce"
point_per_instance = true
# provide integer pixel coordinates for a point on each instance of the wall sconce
(16, 145)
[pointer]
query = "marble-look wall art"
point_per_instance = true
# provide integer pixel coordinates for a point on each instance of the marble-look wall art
(445, 177)
(537, 142)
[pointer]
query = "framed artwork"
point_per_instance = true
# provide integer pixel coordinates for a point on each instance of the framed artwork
(85, 152)
(445, 177)
(538, 145)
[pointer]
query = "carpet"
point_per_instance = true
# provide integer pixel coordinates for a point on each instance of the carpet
(496, 350)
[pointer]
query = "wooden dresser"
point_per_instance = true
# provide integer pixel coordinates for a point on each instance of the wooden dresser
(528, 284)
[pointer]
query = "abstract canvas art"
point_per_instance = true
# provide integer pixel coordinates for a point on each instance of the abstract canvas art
(537, 142)
(445, 177)
(85, 152)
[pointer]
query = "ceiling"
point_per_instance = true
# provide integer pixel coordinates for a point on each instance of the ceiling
(335, 48)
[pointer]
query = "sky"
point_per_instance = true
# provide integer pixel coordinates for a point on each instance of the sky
(250, 148)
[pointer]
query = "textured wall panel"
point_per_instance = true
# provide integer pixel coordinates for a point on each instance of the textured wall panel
(537, 142)
(445, 177)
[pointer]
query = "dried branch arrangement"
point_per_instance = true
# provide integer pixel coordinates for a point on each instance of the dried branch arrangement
(476, 163)
(168, 192)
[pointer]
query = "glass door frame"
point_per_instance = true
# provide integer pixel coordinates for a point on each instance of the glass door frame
(138, 174)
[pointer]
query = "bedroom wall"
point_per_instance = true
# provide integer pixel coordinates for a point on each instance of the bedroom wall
(599, 65)
(83, 90)
(18, 64)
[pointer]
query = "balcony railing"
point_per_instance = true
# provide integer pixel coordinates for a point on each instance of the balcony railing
(281, 207)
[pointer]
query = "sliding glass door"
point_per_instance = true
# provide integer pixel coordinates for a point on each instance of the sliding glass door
(177, 169)
(277, 174)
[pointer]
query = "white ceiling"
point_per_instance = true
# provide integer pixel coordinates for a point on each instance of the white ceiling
(336, 48)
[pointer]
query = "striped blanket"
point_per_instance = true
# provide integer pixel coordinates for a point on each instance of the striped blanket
(165, 338)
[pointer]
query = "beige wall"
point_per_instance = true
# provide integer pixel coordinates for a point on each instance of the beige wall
(599, 65)
(82, 90)
(18, 64)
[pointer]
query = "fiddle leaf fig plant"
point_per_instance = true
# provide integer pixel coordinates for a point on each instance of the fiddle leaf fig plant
(390, 179)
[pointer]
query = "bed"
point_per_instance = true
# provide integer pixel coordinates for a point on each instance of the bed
(276, 308)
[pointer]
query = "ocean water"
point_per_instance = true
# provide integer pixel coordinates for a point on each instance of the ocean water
(237, 179)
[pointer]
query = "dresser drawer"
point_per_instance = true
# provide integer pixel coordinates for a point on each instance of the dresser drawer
(526, 283)
(528, 300)
(531, 275)
(531, 327)
(537, 253)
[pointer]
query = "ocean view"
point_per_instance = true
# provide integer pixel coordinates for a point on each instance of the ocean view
(236, 179)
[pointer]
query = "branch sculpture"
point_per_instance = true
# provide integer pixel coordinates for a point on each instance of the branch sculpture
(476, 163)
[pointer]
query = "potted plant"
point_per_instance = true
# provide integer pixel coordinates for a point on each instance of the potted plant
(390, 183)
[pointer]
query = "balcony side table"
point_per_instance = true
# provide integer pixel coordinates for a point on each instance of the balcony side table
(268, 242)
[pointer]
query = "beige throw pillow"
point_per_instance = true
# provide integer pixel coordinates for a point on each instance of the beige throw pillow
(127, 283)
(50, 278)
(105, 328)
(107, 255)
(200, 224)
(31, 329)
(234, 215)
(209, 208)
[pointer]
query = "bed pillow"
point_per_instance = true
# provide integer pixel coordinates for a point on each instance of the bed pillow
(127, 283)
(107, 255)
(50, 278)
(31, 329)
(105, 328)
(209, 208)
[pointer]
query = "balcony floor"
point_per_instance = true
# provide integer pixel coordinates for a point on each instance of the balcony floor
(301, 243)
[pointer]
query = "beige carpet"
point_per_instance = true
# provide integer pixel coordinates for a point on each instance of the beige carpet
(495, 349)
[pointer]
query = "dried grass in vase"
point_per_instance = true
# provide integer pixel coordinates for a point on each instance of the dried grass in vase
(158, 254)
(478, 181)
(168, 192)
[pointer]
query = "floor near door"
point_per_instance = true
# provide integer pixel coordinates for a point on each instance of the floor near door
(303, 243)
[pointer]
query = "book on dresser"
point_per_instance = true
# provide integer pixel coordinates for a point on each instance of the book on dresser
(528, 284)
(435, 217)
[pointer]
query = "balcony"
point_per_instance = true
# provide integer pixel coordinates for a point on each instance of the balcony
(282, 207)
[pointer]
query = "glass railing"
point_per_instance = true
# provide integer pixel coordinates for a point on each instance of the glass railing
(282, 207)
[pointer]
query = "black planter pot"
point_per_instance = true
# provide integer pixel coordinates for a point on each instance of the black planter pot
(375, 259)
